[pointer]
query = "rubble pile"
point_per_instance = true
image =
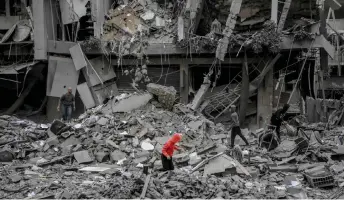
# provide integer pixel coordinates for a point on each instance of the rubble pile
(109, 150)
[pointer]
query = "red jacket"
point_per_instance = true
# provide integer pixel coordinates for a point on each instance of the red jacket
(170, 145)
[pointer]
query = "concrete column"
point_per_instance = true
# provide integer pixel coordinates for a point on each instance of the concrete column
(40, 29)
(184, 83)
(264, 100)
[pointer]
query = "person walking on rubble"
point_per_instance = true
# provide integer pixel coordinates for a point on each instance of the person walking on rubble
(236, 127)
(168, 150)
(277, 119)
(68, 103)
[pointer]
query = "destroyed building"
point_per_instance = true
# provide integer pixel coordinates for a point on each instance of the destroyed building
(186, 60)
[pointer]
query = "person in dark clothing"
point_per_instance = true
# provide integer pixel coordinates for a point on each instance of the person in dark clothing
(277, 119)
(68, 104)
(236, 127)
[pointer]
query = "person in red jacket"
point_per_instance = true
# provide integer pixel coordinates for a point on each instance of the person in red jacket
(167, 151)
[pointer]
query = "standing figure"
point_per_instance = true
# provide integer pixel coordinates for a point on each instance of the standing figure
(236, 127)
(168, 150)
(68, 105)
(277, 119)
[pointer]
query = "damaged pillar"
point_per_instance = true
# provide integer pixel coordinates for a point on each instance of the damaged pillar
(184, 83)
(244, 91)
(264, 100)
(40, 29)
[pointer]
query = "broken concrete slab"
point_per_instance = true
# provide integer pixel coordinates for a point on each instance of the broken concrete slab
(194, 125)
(166, 95)
(131, 103)
(72, 140)
(117, 155)
(218, 165)
(86, 95)
(15, 178)
(199, 97)
(283, 168)
(103, 121)
(102, 156)
(82, 157)
(6, 156)
(78, 57)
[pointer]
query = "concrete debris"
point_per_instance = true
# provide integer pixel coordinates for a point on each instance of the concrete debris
(95, 143)
(166, 95)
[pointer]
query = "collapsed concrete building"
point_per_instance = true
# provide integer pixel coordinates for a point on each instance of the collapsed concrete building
(184, 64)
(120, 46)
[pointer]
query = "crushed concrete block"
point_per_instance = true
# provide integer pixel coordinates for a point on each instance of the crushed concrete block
(15, 178)
(194, 125)
(70, 141)
(149, 15)
(3, 123)
(82, 157)
(66, 195)
(117, 155)
(103, 121)
(131, 103)
(52, 141)
(160, 22)
(141, 160)
(166, 95)
(6, 156)
(57, 126)
(102, 156)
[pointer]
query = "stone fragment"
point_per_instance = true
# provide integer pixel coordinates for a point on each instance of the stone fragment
(103, 121)
(141, 160)
(6, 156)
(82, 157)
(117, 155)
(166, 95)
(195, 125)
(52, 141)
(15, 178)
(3, 123)
(102, 156)
(131, 103)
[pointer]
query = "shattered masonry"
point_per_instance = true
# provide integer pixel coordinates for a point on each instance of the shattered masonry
(131, 62)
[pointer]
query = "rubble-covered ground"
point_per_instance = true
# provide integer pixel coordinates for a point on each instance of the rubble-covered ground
(105, 152)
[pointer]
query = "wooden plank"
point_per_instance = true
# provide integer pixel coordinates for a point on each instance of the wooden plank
(78, 57)
(40, 30)
(145, 187)
(284, 15)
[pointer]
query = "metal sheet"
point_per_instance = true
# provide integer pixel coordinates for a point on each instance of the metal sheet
(65, 76)
(13, 69)
(78, 57)
(86, 96)
(103, 68)
(22, 31)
